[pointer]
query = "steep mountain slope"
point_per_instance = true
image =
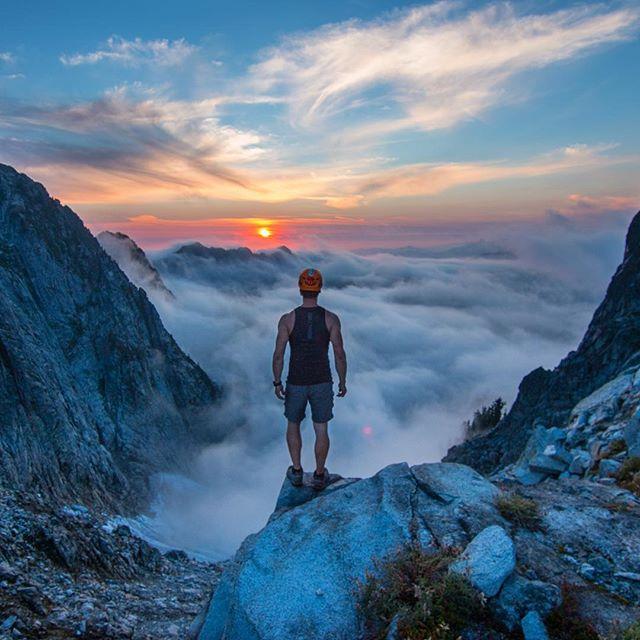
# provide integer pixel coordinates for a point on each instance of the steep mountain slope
(611, 344)
(95, 395)
(134, 262)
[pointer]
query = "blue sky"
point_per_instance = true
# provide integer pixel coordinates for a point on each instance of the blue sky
(360, 113)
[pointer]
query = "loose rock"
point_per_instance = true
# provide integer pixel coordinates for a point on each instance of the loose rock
(488, 560)
(533, 627)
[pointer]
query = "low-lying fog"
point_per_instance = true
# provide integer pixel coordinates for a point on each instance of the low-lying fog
(430, 336)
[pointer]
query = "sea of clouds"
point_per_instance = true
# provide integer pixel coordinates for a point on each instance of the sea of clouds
(430, 334)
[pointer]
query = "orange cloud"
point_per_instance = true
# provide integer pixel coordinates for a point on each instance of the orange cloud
(605, 203)
(332, 187)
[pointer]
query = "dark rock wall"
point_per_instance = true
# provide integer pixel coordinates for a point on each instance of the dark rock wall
(94, 393)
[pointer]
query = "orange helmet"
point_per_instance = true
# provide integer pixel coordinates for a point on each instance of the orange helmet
(310, 280)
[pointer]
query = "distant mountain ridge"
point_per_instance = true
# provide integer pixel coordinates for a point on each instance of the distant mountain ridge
(235, 254)
(95, 395)
(610, 345)
(481, 249)
(227, 269)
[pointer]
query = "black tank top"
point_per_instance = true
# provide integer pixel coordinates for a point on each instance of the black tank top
(309, 343)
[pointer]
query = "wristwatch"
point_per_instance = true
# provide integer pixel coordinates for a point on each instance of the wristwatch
(277, 383)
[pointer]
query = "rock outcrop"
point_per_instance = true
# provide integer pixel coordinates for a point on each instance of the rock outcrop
(95, 395)
(610, 345)
(134, 262)
(488, 560)
(601, 435)
(298, 577)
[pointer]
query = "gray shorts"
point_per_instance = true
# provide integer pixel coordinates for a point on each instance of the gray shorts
(319, 396)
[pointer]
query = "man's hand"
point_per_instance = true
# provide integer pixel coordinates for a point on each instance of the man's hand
(342, 390)
(279, 391)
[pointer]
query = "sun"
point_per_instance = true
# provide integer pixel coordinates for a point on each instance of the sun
(264, 232)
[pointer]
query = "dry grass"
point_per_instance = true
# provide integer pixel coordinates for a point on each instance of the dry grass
(521, 511)
(618, 507)
(565, 622)
(629, 475)
(417, 590)
(614, 448)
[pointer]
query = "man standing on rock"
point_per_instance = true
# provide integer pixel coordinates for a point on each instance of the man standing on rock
(309, 329)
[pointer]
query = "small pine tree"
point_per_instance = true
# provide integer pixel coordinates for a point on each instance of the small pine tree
(485, 419)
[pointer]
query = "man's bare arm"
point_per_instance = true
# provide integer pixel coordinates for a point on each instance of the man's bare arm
(339, 354)
(278, 354)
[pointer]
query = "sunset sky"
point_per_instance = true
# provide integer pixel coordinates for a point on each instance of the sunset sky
(329, 123)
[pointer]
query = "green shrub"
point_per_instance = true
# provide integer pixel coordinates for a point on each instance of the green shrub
(629, 475)
(629, 468)
(614, 448)
(632, 633)
(521, 511)
(566, 622)
(427, 601)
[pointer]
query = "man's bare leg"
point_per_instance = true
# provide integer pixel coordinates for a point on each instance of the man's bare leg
(322, 445)
(294, 442)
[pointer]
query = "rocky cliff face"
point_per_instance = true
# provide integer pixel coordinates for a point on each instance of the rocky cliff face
(95, 395)
(134, 262)
(610, 345)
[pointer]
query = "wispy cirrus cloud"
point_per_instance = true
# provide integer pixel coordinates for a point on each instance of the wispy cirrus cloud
(351, 186)
(145, 139)
(584, 203)
(7, 56)
(136, 143)
(135, 52)
(424, 179)
(121, 148)
(433, 65)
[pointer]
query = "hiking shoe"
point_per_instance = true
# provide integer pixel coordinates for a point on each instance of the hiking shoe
(320, 481)
(295, 476)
